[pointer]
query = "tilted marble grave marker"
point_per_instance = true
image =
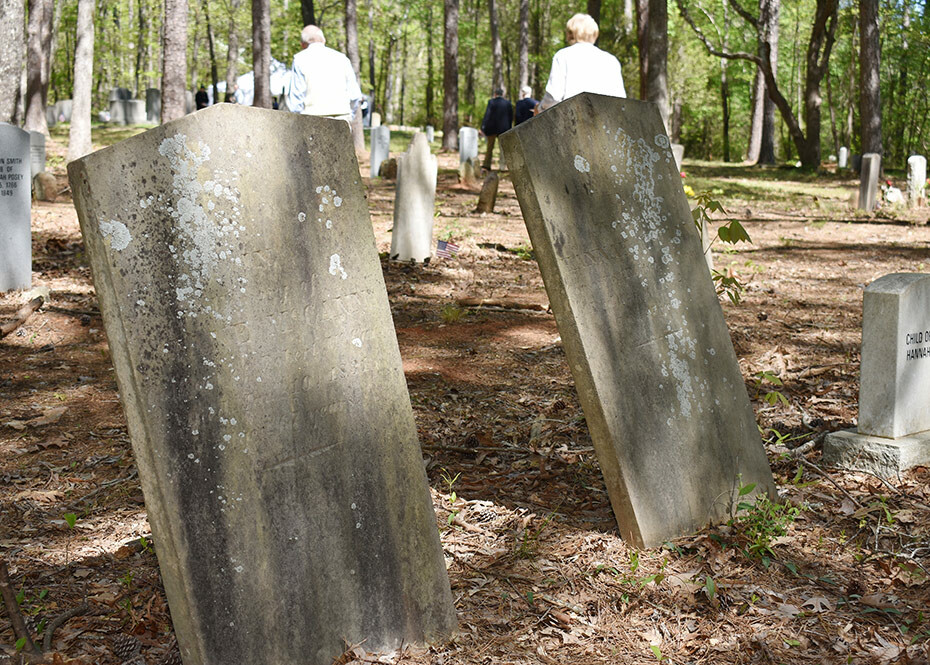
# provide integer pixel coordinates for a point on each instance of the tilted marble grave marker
(642, 328)
(916, 180)
(468, 144)
(259, 371)
(380, 148)
(894, 386)
(868, 180)
(15, 209)
(414, 209)
(843, 158)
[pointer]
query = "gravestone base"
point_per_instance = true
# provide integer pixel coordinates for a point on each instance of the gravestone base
(888, 458)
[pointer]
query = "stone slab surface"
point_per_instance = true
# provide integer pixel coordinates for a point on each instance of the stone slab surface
(868, 180)
(246, 312)
(916, 180)
(414, 202)
(642, 328)
(468, 144)
(889, 458)
(15, 208)
(380, 148)
(894, 386)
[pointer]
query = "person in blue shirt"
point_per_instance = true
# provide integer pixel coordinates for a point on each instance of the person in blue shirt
(525, 105)
(498, 117)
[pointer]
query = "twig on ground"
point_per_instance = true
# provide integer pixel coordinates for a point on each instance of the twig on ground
(20, 632)
(22, 314)
(826, 475)
(59, 621)
(808, 446)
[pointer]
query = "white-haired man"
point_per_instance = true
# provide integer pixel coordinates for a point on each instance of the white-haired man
(581, 66)
(322, 79)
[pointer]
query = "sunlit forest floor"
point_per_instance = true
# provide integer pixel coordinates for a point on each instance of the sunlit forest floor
(836, 573)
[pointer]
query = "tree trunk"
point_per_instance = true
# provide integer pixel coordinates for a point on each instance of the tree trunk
(835, 134)
(358, 132)
(642, 41)
(657, 69)
(594, 9)
(12, 18)
(193, 71)
(450, 76)
(386, 79)
(232, 52)
(870, 111)
(523, 61)
(725, 107)
(79, 140)
(769, 11)
(307, 13)
(430, 92)
(38, 43)
(140, 52)
(261, 52)
(755, 125)
(174, 61)
(214, 72)
(497, 53)
(371, 54)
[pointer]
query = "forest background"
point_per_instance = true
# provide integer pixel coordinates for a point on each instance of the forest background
(843, 73)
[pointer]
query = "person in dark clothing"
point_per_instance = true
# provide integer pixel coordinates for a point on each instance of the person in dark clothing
(498, 117)
(525, 106)
(201, 99)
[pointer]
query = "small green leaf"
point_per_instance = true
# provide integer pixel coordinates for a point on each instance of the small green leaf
(43, 593)
(710, 587)
(793, 643)
(20, 597)
(71, 519)
(20, 643)
(529, 596)
(792, 567)
(746, 489)
(656, 651)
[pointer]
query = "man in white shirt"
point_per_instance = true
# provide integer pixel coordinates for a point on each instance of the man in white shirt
(322, 79)
(581, 66)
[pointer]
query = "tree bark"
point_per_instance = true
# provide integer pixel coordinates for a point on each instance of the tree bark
(12, 17)
(870, 111)
(642, 41)
(307, 12)
(232, 52)
(79, 142)
(140, 39)
(261, 52)
(214, 73)
(174, 61)
(358, 132)
(430, 91)
(450, 76)
(755, 124)
(656, 74)
(594, 9)
(769, 11)
(38, 44)
(497, 53)
(372, 81)
(523, 62)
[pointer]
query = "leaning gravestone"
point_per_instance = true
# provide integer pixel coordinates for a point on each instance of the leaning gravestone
(843, 158)
(916, 180)
(135, 111)
(868, 181)
(412, 237)
(679, 151)
(262, 384)
(15, 209)
(153, 105)
(641, 324)
(380, 147)
(488, 195)
(894, 388)
(63, 110)
(36, 153)
(430, 133)
(468, 144)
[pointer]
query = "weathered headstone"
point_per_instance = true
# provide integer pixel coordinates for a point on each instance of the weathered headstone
(430, 133)
(643, 330)
(135, 111)
(15, 209)
(488, 195)
(63, 110)
(51, 118)
(189, 105)
(36, 153)
(417, 169)
(120, 93)
(468, 172)
(916, 180)
(868, 180)
(843, 158)
(153, 105)
(388, 169)
(118, 111)
(380, 147)
(678, 150)
(263, 388)
(894, 388)
(45, 186)
(468, 144)
(375, 120)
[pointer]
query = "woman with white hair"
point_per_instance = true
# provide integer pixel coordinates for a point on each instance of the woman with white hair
(581, 66)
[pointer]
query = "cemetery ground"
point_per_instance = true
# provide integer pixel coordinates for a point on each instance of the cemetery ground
(838, 572)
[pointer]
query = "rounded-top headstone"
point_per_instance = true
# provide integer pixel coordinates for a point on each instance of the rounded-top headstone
(15, 209)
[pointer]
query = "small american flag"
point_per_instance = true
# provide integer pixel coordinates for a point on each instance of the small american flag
(446, 249)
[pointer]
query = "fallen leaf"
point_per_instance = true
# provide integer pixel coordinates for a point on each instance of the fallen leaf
(49, 417)
(18, 425)
(786, 610)
(879, 601)
(42, 496)
(817, 604)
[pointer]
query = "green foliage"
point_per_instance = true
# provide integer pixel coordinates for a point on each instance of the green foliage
(70, 519)
(731, 233)
(759, 523)
(450, 481)
(452, 313)
(773, 396)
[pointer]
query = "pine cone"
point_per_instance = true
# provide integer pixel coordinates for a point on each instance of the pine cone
(126, 647)
(173, 657)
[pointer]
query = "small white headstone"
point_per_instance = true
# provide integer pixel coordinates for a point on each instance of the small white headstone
(430, 133)
(844, 157)
(135, 112)
(468, 144)
(153, 105)
(916, 180)
(15, 207)
(36, 152)
(375, 120)
(380, 147)
(412, 237)
(868, 180)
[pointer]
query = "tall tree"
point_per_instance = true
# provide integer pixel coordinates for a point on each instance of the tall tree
(12, 17)
(261, 52)
(307, 12)
(232, 51)
(214, 74)
(174, 61)
(358, 132)
(822, 37)
(652, 32)
(79, 140)
(594, 9)
(450, 76)
(38, 46)
(523, 66)
(430, 93)
(870, 100)
(497, 53)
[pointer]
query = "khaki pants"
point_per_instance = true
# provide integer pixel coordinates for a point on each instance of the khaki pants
(490, 153)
